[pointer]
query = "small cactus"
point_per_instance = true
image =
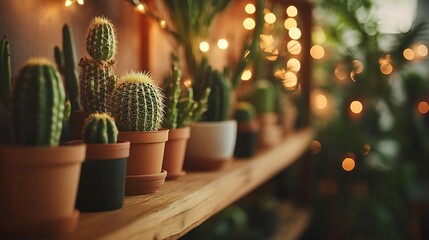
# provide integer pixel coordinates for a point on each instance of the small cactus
(173, 89)
(38, 104)
(264, 96)
(5, 72)
(137, 103)
(101, 39)
(100, 128)
(219, 102)
(244, 112)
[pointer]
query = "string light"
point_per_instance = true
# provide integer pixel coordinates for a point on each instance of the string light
(140, 7)
(321, 101)
(358, 66)
(423, 107)
(292, 11)
(250, 8)
(348, 164)
(317, 52)
(294, 33)
(293, 64)
(247, 75)
(290, 23)
(270, 18)
(204, 46)
(249, 24)
(408, 54)
(294, 47)
(340, 72)
(356, 107)
(422, 50)
(315, 146)
(222, 43)
(68, 3)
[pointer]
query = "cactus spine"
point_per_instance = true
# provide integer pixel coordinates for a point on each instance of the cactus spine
(137, 103)
(244, 112)
(100, 128)
(38, 104)
(5, 72)
(97, 76)
(264, 96)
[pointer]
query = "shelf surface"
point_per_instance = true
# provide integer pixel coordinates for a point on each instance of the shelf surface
(185, 203)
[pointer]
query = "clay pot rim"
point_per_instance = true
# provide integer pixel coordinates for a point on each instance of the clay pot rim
(147, 177)
(179, 133)
(39, 156)
(110, 151)
(160, 135)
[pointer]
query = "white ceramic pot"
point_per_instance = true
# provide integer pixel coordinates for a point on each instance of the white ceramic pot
(212, 142)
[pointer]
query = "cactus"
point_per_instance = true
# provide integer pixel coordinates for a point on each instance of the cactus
(101, 39)
(38, 104)
(137, 103)
(70, 68)
(100, 128)
(98, 80)
(5, 72)
(244, 112)
(97, 76)
(174, 91)
(219, 102)
(264, 96)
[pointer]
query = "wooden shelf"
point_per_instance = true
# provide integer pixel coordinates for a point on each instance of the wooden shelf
(185, 203)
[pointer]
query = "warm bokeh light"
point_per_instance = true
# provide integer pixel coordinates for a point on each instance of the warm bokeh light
(294, 47)
(321, 101)
(249, 23)
(292, 11)
(386, 68)
(290, 80)
(356, 107)
(423, 107)
(140, 7)
(293, 64)
(222, 43)
(187, 83)
(272, 55)
(250, 8)
(422, 50)
(68, 3)
(348, 164)
(317, 52)
(80, 2)
(247, 75)
(295, 33)
(270, 18)
(358, 66)
(341, 71)
(290, 23)
(318, 35)
(366, 149)
(409, 54)
(162, 24)
(352, 76)
(385, 59)
(315, 146)
(204, 46)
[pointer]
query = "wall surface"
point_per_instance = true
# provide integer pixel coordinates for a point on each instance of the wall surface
(34, 28)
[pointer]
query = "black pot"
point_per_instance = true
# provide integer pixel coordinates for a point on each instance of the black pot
(102, 181)
(246, 144)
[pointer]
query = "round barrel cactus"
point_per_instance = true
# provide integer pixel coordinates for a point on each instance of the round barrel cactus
(244, 112)
(137, 103)
(97, 81)
(38, 104)
(100, 128)
(101, 39)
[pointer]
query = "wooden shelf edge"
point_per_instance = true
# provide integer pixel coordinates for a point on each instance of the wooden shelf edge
(183, 204)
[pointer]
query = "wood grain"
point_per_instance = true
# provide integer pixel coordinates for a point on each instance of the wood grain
(183, 204)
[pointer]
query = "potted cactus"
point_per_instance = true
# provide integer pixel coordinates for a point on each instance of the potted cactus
(247, 130)
(180, 112)
(264, 102)
(36, 167)
(97, 76)
(5, 89)
(102, 179)
(138, 108)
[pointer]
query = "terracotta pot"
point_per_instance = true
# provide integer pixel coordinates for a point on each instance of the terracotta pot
(77, 122)
(38, 188)
(247, 139)
(271, 133)
(174, 154)
(211, 145)
(146, 155)
(102, 179)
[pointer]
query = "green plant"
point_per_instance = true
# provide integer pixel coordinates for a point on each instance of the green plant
(5, 72)
(181, 110)
(219, 102)
(137, 103)
(244, 112)
(97, 77)
(264, 96)
(38, 104)
(100, 128)
(66, 64)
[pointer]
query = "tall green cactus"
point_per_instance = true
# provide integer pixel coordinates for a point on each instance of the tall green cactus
(101, 39)
(219, 102)
(100, 128)
(244, 112)
(264, 96)
(70, 68)
(173, 91)
(5, 72)
(97, 76)
(137, 103)
(38, 104)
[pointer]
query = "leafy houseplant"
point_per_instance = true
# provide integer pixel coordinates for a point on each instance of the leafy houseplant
(36, 167)
(102, 179)
(138, 108)
(247, 130)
